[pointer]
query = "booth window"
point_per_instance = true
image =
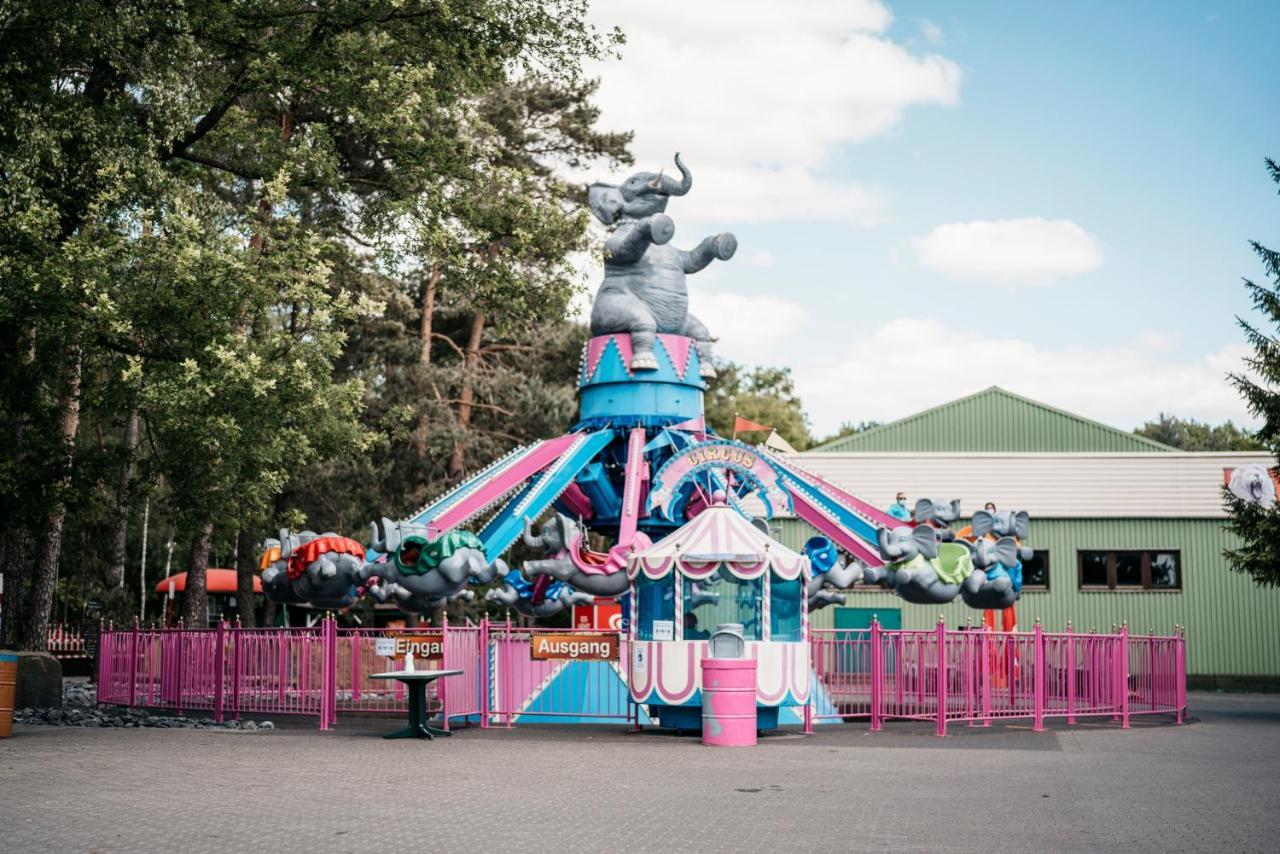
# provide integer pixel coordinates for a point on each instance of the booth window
(785, 608)
(655, 600)
(722, 597)
(1035, 572)
(1131, 570)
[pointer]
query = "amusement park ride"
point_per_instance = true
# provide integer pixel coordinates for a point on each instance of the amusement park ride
(686, 510)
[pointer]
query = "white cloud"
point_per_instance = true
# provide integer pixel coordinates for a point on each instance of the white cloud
(932, 32)
(1027, 251)
(748, 328)
(759, 259)
(758, 96)
(912, 364)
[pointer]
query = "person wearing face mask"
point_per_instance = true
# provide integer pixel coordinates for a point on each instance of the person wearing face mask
(899, 510)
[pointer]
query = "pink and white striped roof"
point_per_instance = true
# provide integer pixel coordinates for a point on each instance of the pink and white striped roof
(718, 536)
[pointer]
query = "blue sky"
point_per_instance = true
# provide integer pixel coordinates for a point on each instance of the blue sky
(931, 198)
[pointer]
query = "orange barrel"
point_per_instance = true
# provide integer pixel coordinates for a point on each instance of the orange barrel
(729, 702)
(8, 687)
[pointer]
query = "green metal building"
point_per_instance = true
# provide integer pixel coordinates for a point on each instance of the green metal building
(1126, 530)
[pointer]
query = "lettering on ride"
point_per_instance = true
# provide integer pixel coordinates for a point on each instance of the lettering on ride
(728, 465)
(574, 647)
(720, 454)
(423, 645)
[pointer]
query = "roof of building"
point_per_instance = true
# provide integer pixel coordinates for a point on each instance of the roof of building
(1047, 485)
(996, 421)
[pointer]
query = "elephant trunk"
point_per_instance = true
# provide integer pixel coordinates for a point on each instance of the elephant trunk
(671, 186)
(532, 540)
(286, 543)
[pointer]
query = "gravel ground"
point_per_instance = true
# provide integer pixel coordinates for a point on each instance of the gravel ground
(1213, 783)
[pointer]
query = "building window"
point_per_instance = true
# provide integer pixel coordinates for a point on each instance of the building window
(1035, 572)
(1130, 570)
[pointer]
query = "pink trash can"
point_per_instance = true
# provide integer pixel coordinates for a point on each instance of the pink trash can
(729, 702)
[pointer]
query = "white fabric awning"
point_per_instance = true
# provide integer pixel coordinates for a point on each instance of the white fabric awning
(718, 536)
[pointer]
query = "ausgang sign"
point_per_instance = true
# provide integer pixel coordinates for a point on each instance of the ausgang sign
(574, 647)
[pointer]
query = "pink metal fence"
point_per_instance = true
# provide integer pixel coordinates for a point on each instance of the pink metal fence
(979, 676)
(936, 675)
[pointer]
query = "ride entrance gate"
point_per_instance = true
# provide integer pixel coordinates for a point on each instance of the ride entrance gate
(518, 676)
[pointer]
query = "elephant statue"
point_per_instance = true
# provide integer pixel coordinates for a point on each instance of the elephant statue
(517, 593)
(938, 515)
(830, 574)
(1005, 523)
(644, 290)
(275, 575)
(597, 573)
(996, 582)
(408, 602)
(418, 570)
(918, 567)
(1253, 484)
(322, 569)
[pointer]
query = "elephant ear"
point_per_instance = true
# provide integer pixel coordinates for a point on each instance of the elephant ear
(567, 529)
(955, 509)
(926, 541)
(882, 542)
(1021, 524)
(983, 522)
(606, 202)
(925, 510)
(1006, 551)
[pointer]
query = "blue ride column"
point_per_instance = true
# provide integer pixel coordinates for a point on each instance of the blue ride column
(611, 394)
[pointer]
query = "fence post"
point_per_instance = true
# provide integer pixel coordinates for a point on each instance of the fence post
(219, 662)
(328, 672)
(236, 664)
(357, 649)
(441, 688)
(1180, 670)
(1039, 676)
(940, 676)
(1124, 676)
(1071, 675)
(877, 674)
(133, 666)
(485, 660)
(985, 672)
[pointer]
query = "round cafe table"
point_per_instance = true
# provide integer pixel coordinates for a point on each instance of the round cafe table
(415, 681)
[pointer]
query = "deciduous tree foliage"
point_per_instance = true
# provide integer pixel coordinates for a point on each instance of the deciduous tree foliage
(765, 395)
(205, 209)
(1258, 554)
(1191, 435)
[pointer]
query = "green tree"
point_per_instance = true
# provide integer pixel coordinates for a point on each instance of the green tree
(1258, 554)
(848, 428)
(1191, 435)
(765, 395)
(301, 133)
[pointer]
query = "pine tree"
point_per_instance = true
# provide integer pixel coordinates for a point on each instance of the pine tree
(1259, 528)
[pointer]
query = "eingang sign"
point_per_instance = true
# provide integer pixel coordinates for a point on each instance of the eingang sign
(423, 645)
(574, 647)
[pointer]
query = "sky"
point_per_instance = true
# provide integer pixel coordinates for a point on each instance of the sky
(931, 198)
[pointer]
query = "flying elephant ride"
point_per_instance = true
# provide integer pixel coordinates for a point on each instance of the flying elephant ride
(639, 467)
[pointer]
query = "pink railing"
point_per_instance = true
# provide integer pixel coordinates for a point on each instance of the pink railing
(937, 675)
(978, 676)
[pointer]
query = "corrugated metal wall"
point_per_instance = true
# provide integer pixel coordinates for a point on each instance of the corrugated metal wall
(1233, 627)
(994, 420)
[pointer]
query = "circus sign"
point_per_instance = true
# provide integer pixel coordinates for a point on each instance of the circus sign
(698, 471)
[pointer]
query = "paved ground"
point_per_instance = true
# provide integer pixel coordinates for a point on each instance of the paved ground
(1211, 784)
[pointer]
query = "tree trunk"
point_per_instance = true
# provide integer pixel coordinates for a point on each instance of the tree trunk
(246, 570)
(195, 605)
(35, 635)
(16, 565)
(457, 461)
(424, 363)
(124, 500)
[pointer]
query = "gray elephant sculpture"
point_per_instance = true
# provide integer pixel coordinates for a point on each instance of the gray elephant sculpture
(938, 515)
(590, 572)
(558, 599)
(918, 567)
(1005, 523)
(418, 570)
(644, 290)
(830, 573)
(407, 602)
(322, 569)
(991, 585)
(275, 574)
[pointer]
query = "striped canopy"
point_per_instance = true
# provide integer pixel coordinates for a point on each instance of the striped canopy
(718, 537)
